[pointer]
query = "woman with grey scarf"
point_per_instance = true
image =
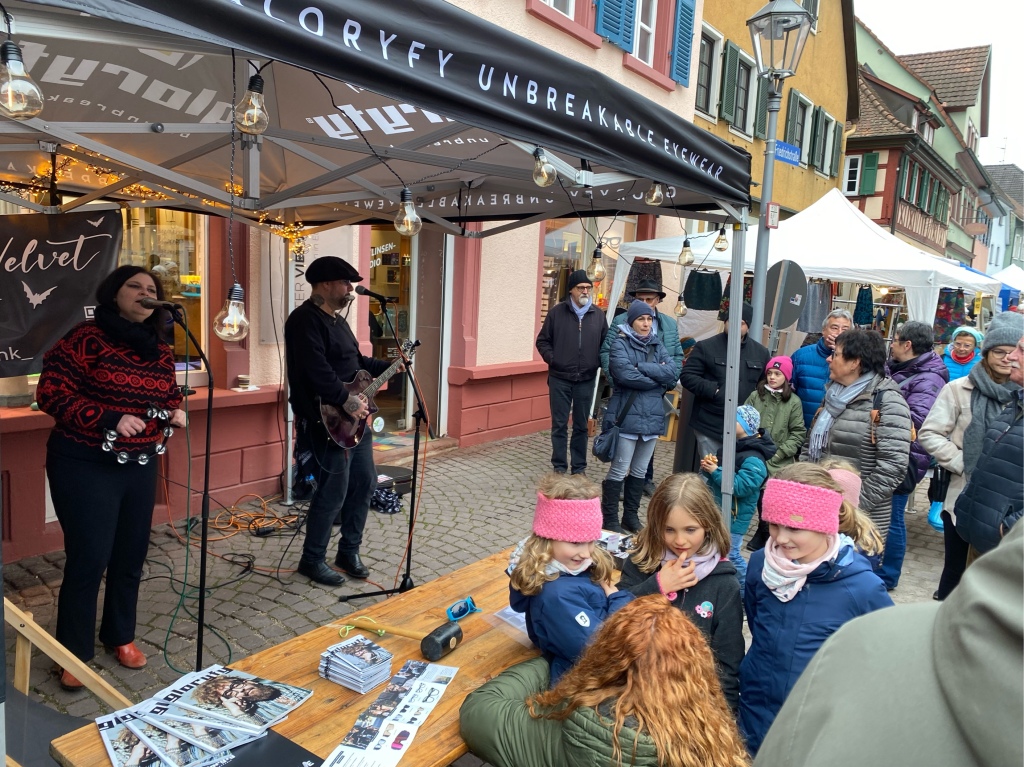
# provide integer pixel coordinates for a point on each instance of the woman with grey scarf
(955, 428)
(846, 427)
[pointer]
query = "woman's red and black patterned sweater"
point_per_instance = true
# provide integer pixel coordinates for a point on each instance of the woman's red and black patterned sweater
(90, 380)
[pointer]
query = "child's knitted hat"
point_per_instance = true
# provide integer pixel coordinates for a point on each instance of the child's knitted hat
(748, 417)
(850, 483)
(575, 521)
(805, 507)
(783, 364)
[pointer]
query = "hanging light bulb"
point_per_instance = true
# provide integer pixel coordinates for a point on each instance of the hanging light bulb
(231, 324)
(251, 113)
(883, 291)
(686, 254)
(681, 309)
(655, 195)
(721, 244)
(544, 173)
(20, 97)
(596, 271)
(408, 221)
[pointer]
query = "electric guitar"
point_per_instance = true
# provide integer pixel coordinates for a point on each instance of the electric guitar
(343, 428)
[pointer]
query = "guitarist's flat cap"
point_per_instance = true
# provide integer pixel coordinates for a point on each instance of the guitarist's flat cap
(330, 268)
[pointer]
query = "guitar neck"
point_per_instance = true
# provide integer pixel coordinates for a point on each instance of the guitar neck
(382, 379)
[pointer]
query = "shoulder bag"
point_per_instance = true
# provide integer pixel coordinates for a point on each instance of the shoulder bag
(607, 441)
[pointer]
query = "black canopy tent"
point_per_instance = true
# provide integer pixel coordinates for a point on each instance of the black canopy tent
(140, 93)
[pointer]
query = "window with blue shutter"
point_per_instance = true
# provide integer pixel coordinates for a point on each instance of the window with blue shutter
(682, 47)
(730, 71)
(615, 20)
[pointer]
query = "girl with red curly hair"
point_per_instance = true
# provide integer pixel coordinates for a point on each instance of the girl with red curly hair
(645, 693)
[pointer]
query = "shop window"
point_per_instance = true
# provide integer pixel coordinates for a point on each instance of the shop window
(646, 17)
(565, 7)
(390, 275)
(567, 247)
(173, 245)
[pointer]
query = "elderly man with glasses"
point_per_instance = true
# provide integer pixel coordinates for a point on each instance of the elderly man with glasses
(570, 343)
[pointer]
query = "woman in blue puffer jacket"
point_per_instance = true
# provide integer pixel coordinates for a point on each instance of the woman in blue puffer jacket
(641, 369)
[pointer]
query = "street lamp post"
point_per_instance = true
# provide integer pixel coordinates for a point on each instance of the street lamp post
(778, 32)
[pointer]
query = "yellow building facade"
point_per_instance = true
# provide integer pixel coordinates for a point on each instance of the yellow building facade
(816, 103)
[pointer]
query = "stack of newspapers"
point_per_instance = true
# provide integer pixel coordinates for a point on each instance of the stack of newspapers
(198, 720)
(357, 663)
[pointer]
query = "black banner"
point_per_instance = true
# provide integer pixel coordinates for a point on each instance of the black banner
(50, 266)
(438, 57)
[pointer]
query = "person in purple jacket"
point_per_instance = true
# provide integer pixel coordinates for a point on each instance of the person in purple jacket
(559, 577)
(921, 374)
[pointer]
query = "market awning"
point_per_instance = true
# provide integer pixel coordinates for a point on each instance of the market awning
(364, 98)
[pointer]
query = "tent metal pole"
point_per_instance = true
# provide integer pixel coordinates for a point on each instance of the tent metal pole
(289, 416)
(732, 366)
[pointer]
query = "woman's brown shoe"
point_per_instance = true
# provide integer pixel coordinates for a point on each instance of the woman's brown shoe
(130, 656)
(69, 682)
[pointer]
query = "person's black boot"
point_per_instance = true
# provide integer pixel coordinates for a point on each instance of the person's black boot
(610, 505)
(633, 494)
(760, 537)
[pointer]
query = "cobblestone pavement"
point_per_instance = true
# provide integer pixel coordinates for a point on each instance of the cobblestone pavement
(475, 501)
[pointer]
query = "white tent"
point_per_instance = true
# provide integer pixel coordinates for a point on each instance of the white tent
(1012, 275)
(834, 240)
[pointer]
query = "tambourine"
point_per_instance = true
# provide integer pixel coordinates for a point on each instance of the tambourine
(153, 414)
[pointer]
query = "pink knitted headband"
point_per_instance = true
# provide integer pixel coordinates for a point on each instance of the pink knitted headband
(804, 507)
(850, 483)
(575, 521)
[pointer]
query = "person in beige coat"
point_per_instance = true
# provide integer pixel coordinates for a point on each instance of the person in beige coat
(980, 396)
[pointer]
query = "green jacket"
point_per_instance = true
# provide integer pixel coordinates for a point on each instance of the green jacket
(498, 728)
(784, 422)
(668, 334)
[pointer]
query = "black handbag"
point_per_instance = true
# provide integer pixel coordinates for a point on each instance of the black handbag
(607, 441)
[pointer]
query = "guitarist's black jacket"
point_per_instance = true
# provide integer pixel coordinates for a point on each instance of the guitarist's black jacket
(322, 355)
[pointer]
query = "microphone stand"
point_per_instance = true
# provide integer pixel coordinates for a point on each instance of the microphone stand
(421, 417)
(177, 314)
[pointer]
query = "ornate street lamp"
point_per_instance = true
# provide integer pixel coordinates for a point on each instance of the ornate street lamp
(778, 32)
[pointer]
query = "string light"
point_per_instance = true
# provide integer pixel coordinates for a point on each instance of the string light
(20, 97)
(231, 324)
(596, 271)
(544, 173)
(686, 254)
(655, 195)
(407, 222)
(681, 309)
(722, 243)
(251, 113)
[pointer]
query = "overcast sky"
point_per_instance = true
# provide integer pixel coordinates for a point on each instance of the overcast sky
(914, 26)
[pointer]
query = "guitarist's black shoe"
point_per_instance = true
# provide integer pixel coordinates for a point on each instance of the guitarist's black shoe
(320, 573)
(352, 565)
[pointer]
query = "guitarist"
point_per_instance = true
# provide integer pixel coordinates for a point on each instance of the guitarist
(322, 354)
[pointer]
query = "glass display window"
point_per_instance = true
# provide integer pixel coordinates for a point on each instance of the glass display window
(568, 246)
(172, 245)
(390, 275)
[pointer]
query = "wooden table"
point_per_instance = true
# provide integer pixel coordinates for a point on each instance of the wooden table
(490, 646)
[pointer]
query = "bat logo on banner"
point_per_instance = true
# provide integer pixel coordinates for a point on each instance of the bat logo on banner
(37, 298)
(97, 222)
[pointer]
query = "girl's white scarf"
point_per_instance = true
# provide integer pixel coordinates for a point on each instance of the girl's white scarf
(705, 563)
(784, 577)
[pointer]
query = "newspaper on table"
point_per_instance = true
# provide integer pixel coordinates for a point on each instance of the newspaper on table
(357, 663)
(383, 733)
(196, 721)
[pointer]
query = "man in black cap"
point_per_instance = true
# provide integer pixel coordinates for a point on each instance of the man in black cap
(704, 375)
(570, 343)
(650, 292)
(323, 354)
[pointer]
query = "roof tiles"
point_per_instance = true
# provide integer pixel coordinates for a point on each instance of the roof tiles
(955, 75)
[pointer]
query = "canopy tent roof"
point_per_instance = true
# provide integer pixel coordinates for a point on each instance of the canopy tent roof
(832, 239)
(364, 98)
(1012, 275)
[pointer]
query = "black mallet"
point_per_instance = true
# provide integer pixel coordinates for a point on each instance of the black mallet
(434, 645)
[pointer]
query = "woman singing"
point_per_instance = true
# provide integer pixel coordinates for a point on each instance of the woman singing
(110, 386)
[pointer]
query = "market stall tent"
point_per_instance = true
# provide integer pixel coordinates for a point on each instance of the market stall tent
(1012, 275)
(832, 239)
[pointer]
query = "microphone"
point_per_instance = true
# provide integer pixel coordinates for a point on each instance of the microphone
(152, 303)
(369, 293)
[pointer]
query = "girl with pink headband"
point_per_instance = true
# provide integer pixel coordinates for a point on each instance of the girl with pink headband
(559, 577)
(806, 582)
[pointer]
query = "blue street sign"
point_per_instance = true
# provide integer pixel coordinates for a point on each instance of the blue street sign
(787, 152)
